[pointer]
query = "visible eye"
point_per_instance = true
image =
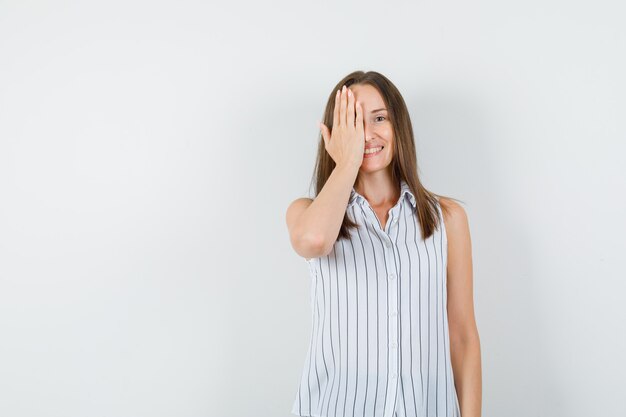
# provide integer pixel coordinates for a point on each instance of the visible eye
(378, 117)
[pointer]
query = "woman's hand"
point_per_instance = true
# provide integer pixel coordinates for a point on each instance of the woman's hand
(346, 143)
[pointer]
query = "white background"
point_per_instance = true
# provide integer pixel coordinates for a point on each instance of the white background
(149, 150)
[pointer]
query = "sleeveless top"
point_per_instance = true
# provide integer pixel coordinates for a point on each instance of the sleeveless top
(379, 343)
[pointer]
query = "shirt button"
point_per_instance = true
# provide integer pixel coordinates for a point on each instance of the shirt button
(394, 220)
(393, 314)
(388, 244)
(394, 344)
(392, 276)
(393, 376)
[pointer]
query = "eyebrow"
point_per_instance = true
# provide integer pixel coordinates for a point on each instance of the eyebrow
(377, 110)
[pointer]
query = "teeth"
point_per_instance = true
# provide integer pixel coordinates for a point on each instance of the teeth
(373, 150)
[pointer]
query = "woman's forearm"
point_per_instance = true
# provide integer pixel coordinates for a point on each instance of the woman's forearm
(466, 366)
(321, 221)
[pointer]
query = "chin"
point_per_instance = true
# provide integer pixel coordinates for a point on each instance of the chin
(373, 168)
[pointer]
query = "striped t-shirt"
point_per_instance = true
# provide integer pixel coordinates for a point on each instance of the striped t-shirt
(379, 344)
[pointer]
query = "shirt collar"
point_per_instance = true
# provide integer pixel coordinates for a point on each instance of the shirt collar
(404, 189)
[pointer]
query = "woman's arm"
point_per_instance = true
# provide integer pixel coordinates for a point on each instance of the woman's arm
(314, 225)
(464, 339)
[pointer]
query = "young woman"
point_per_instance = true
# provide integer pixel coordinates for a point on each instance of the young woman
(394, 333)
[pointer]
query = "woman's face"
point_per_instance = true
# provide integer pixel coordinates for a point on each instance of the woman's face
(376, 126)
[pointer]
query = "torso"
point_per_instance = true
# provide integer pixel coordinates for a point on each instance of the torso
(378, 296)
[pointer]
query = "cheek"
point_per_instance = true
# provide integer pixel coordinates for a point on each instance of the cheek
(388, 133)
(390, 139)
(391, 145)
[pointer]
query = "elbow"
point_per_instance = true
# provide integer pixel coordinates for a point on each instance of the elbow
(309, 245)
(468, 338)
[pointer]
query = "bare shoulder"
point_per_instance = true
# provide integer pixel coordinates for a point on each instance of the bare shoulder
(455, 218)
(296, 208)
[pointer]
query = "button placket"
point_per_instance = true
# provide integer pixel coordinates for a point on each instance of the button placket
(393, 319)
(393, 219)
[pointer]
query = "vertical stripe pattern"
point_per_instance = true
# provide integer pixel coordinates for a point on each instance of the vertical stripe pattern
(379, 344)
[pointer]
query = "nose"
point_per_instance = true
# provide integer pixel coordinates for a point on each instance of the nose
(367, 130)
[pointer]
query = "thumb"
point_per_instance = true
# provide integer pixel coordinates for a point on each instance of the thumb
(325, 133)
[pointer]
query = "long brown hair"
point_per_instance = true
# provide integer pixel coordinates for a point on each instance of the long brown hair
(404, 163)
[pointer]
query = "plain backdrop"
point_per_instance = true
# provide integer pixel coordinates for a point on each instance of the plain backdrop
(149, 151)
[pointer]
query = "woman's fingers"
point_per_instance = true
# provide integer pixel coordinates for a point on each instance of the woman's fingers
(359, 120)
(336, 109)
(342, 107)
(350, 109)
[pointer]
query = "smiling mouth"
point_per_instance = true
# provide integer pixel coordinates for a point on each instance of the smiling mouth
(375, 152)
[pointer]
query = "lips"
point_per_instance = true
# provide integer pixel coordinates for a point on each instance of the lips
(372, 154)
